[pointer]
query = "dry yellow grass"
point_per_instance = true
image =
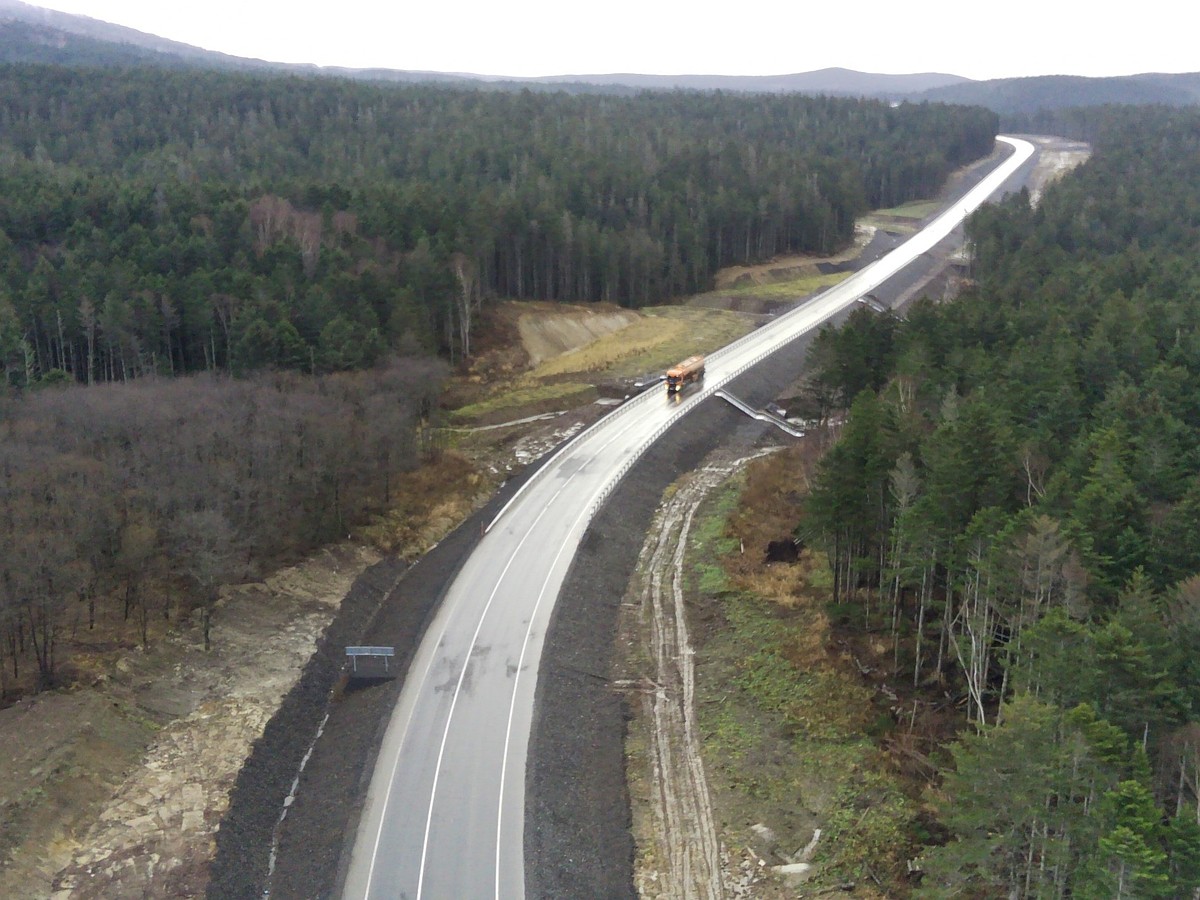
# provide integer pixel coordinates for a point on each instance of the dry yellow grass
(660, 337)
(523, 396)
(790, 288)
(786, 268)
(655, 338)
(427, 504)
(916, 209)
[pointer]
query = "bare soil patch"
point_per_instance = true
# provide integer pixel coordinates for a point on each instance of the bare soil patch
(578, 835)
(116, 789)
(786, 268)
(578, 831)
(772, 784)
(807, 782)
(67, 753)
(681, 852)
(1056, 158)
(548, 330)
(788, 714)
(116, 786)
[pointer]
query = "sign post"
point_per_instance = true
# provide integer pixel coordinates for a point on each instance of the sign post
(370, 653)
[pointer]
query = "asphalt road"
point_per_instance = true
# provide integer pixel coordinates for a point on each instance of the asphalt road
(445, 811)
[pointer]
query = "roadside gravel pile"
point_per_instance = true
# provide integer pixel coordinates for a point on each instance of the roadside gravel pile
(576, 780)
(245, 837)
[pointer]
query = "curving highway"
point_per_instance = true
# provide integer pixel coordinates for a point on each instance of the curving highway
(444, 817)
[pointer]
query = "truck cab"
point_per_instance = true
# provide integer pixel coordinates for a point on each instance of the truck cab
(691, 369)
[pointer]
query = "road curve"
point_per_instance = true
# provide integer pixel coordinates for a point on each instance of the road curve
(444, 815)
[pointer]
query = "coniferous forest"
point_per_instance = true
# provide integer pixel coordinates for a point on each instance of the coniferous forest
(330, 245)
(163, 222)
(1015, 502)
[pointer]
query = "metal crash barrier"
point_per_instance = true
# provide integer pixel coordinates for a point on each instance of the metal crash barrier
(370, 659)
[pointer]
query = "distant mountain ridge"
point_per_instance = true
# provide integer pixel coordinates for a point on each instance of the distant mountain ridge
(1020, 95)
(25, 29)
(32, 34)
(821, 81)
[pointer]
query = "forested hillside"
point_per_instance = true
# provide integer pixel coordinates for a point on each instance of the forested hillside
(1015, 500)
(1013, 98)
(29, 42)
(137, 502)
(167, 222)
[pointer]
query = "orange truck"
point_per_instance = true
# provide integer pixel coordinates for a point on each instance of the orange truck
(691, 369)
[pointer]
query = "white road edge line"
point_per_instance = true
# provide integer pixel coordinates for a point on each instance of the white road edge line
(387, 795)
(537, 605)
(517, 680)
(437, 771)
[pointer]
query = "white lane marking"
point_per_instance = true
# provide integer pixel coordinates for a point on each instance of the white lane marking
(437, 769)
(817, 319)
(470, 651)
(573, 444)
(525, 645)
(433, 657)
(387, 795)
(517, 680)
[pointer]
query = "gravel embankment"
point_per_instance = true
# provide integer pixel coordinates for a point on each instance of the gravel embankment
(578, 840)
(386, 606)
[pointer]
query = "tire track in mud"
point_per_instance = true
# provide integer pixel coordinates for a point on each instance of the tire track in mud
(689, 849)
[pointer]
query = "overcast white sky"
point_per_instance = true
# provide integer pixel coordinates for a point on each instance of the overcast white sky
(770, 37)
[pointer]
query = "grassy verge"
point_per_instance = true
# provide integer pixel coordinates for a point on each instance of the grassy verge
(525, 398)
(917, 209)
(790, 727)
(659, 338)
(789, 288)
(904, 219)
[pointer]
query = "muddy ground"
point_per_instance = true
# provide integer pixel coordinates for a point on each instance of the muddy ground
(576, 781)
(683, 851)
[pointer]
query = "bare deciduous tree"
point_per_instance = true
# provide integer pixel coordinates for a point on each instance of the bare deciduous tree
(205, 550)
